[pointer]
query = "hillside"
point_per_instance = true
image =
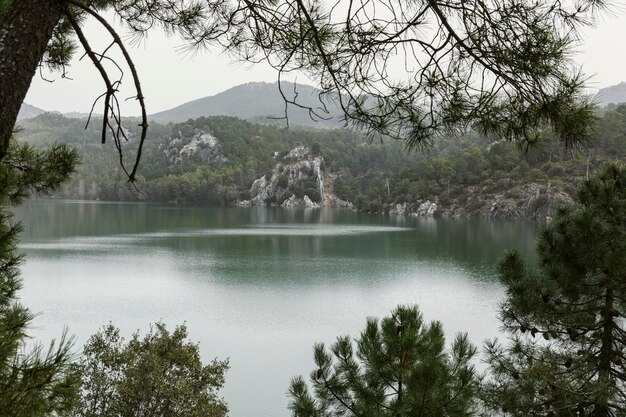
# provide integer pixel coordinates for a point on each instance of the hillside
(229, 161)
(614, 94)
(258, 102)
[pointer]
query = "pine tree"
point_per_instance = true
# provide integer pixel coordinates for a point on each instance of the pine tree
(502, 67)
(34, 382)
(400, 368)
(567, 352)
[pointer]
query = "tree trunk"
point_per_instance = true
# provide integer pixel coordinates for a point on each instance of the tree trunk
(602, 408)
(24, 35)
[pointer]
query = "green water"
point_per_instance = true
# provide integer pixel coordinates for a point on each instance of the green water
(259, 286)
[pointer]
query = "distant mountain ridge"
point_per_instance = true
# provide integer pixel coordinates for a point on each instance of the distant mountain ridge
(259, 102)
(28, 112)
(614, 94)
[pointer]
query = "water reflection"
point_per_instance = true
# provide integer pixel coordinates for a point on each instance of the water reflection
(257, 285)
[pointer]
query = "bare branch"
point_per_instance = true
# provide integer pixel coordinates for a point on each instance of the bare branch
(139, 96)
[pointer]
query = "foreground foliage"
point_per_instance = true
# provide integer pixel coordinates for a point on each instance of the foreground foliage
(399, 368)
(160, 374)
(502, 67)
(567, 354)
(34, 381)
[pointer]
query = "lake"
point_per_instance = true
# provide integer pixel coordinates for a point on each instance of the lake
(257, 285)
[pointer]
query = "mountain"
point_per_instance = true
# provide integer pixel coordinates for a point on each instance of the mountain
(27, 112)
(258, 102)
(80, 115)
(614, 94)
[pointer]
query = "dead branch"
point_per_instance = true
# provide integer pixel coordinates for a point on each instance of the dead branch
(110, 98)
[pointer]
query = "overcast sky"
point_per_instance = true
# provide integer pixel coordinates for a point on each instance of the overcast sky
(170, 78)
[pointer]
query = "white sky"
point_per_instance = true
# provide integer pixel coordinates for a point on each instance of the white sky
(170, 78)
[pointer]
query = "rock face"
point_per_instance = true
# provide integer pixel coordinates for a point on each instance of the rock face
(294, 201)
(261, 191)
(201, 147)
(426, 209)
(419, 209)
(297, 180)
(530, 201)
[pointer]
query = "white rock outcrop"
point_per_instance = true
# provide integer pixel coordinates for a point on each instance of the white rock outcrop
(262, 189)
(308, 203)
(298, 166)
(399, 209)
(202, 146)
(426, 209)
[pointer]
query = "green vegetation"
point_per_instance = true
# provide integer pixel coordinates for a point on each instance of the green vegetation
(463, 175)
(170, 174)
(566, 353)
(159, 375)
(567, 350)
(400, 368)
(567, 347)
(34, 381)
(522, 51)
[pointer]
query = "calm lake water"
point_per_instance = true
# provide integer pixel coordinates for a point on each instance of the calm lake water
(259, 286)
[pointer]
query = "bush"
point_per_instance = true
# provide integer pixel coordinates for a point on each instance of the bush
(283, 181)
(159, 375)
(270, 200)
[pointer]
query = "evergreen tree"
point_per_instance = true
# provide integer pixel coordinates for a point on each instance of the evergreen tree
(34, 382)
(521, 49)
(567, 353)
(160, 374)
(399, 368)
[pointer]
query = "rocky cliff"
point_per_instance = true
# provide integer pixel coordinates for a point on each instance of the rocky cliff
(298, 179)
(529, 201)
(202, 147)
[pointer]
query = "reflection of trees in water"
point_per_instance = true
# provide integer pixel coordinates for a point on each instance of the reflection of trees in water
(313, 236)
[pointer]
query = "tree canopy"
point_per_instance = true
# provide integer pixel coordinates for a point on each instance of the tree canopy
(413, 70)
(568, 346)
(399, 368)
(464, 174)
(160, 374)
(34, 381)
(503, 67)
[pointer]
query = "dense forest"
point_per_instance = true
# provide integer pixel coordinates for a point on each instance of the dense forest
(215, 160)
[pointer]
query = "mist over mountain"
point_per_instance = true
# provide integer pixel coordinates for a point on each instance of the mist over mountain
(27, 112)
(259, 102)
(614, 94)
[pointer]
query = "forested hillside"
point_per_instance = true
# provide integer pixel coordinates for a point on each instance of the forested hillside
(216, 160)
